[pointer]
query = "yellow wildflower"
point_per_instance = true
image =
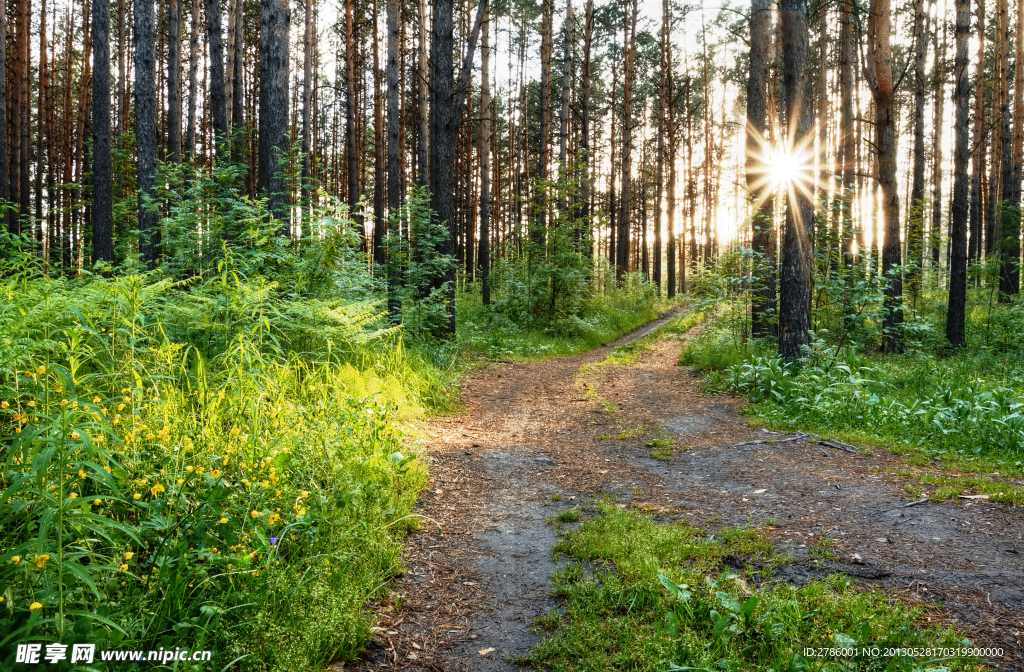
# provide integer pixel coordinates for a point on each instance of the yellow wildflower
(41, 370)
(215, 473)
(273, 518)
(124, 568)
(75, 435)
(35, 605)
(15, 559)
(106, 469)
(82, 474)
(63, 402)
(255, 514)
(32, 403)
(181, 481)
(223, 521)
(190, 469)
(4, 404)
(73, 495)
(265, 484)
(136, 496)
(157, 489)
(234, 431)
(41, 560)
(120, 407)
(97, 501)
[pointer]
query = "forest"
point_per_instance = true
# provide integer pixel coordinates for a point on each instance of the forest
(302, 303)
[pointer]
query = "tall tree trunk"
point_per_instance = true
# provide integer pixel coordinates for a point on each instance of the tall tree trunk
(173, 82)
(1018, 148)
(847, 131)
(628, 77)
(145, 129)
(40, 136)
(379, 173)
(993, 235)
(484, 256)
(218, 99)
(546, 40)
(670, 130)
(351, 148)
(193, 83)
(237, 83)
(797, 253)
(563, 114)
(14, 176)
(394, 179)
(102, 188)
(442, 139)
(762, 307)
(940, 99)
(880, 80)
(5, 158)
(1009, 217)
(25, 85)
(273, 117)
(307, 98)
(422, 97)
(977, 216)
(961, 155)
(915, 224)
(585, 93)
(659, 174)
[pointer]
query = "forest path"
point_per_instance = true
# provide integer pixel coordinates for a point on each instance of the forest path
(533, 430)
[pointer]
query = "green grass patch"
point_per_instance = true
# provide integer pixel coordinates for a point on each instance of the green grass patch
(639, 595)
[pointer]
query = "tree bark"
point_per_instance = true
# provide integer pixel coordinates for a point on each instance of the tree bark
(422, 97)
(546, 40)
(394, 179)
(145, 129)
(959, 215)
(273, 117)
(797, 253)
(659, 174)
(915, 224)
(102, 188)
(585, 102)
(484, 256)
(173, 82)
(379, 172)
(880, 80)
(351, 148)
(307, 97)
(847, 130)
(218, 98)
(762, 308)
(5, 159)
(628, 77)
(442, 140)
(193, 83)
(1009, 217)
(977, 207)
(935, 236)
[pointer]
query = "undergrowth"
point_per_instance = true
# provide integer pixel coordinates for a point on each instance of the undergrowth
(642, 595)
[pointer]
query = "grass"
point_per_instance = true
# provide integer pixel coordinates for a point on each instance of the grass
(177, 473)
(641, 595)
(964, 408)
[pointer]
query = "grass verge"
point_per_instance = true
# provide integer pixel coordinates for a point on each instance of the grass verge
(642, 595)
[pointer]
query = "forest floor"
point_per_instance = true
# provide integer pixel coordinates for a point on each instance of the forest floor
(536, 438)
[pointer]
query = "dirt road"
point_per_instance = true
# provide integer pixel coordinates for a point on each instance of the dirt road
(570, 429)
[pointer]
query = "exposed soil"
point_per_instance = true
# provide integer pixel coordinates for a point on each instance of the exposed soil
(533, 430)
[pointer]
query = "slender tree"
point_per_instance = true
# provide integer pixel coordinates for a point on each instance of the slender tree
(307, 93)
(5, 178)
(762, 240)
(659, 175)
(273, 118)
(628, 80)
(847, 131)
(546, 40)
(146, 129)
(218, 89)
(380, 175)
(394, 179)
(1009, 216)
(193, 83)
(173, 81)
(915, 225)
(797, 253)
(102, 188)
(585, 103)
(484, 257)
(879, 75)
(977, 207)
(442, 139)
(422, 100)
(959, 220)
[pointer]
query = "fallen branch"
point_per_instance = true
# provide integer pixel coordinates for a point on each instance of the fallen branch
(761, 442)
(920, 501)
(838, 445)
